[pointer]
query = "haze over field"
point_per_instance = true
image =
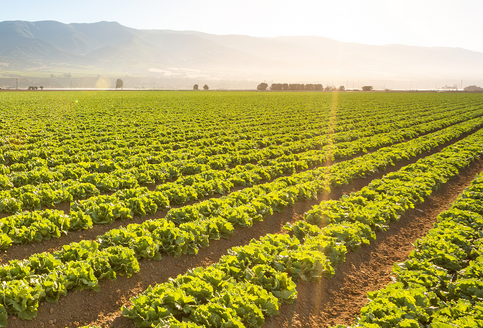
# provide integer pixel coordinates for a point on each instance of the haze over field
(433, 57)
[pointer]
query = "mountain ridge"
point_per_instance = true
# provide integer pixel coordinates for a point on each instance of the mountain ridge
(140, 51)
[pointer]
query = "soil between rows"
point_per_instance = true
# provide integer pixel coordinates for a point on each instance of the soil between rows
(20, 251)
(103, 308)
(339, 299)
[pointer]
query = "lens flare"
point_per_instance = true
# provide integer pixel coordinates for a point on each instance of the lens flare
(103, 83)
(330, 137)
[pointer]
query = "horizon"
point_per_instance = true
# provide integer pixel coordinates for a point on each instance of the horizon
(39, 49)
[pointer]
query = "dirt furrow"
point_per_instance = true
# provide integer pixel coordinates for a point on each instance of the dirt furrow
(339, 299)
(103, 308)
(20, 251)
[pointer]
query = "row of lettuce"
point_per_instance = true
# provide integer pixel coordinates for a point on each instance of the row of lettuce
(81, 185)
(187, 126)
(155, 166)
(47, 276)
(246, 132)
(210, 140)
(441, 283)
(319, 242)
(26, 227)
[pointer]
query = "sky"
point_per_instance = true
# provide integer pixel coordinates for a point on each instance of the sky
(420, 23)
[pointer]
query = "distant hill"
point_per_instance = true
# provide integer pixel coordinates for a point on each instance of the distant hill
(194, 54)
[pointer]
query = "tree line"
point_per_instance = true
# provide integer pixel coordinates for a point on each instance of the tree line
(298, 86)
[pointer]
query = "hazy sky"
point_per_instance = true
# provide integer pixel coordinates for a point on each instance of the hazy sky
(455, 23)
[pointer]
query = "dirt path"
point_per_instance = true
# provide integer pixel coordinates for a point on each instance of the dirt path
(103, 308)
(338, 300)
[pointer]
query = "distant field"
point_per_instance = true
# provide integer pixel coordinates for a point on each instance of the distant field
(237, 208)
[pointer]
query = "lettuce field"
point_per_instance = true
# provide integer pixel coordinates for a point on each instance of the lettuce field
(241, 209)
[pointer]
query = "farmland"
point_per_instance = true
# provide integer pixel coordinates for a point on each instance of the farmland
(196, 208)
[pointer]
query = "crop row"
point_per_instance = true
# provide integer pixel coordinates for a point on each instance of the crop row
(81, 184)
(34, 226)
(248, 125)
(286, 162)
(153, 237)
(220, 155)
(309, 140)
(134, 143)
(48, 276)
(440, 285)
(327, 236)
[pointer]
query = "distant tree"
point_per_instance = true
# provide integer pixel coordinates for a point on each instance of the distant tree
(276, 86)
(296, 86)
(206, 87)
(41, 87)
(119, 83)
(195, 87)
(262, 86)
(341, 88)
(330, 88)
(473, 88)
(367, 88)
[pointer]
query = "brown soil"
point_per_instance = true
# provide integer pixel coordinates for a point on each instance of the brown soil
(24, 251)
(329, 300)
(339, 299)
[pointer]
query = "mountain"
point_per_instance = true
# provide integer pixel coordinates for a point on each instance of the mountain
(191, 54)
